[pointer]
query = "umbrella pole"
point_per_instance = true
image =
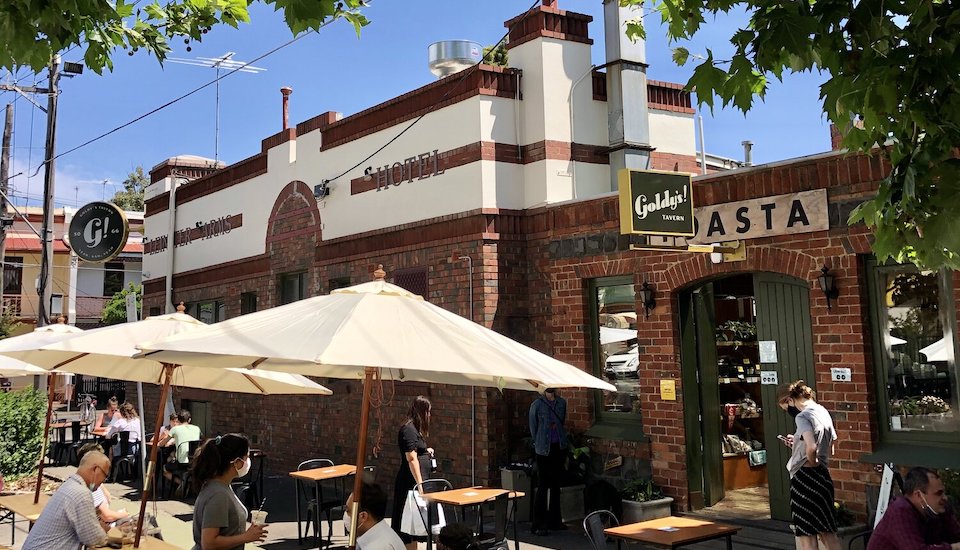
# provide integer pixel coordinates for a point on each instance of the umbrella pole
(148, 480)
(46, 437)
(361, 453)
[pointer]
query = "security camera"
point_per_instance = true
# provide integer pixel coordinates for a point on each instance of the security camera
(321, 190)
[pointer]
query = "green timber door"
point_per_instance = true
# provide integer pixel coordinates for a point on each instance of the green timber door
(783, 316)
(701, 398)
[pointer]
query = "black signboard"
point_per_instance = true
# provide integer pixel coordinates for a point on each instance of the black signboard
(655, 203)
(98, 232)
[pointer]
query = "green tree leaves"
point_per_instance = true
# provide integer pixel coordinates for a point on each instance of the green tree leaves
(21, 431)
(131, 198)
(32, 31)
(892, 75)
(115, 311)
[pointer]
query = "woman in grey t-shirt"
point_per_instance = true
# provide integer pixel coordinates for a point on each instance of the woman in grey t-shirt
(219, 518)
(811, 487)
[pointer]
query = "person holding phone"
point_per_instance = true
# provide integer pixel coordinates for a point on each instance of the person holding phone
(811, 487)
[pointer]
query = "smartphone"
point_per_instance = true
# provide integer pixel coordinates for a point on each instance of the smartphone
(782, 437)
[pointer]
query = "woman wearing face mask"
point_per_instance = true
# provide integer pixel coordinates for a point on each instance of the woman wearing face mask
(811, 487)
(219, 517)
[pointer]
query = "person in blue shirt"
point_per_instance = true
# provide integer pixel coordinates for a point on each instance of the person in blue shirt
(547, 416)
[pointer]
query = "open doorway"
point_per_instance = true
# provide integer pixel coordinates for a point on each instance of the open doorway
(743, 335)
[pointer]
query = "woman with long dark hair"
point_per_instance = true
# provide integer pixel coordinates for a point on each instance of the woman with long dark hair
(219, 517)
(413, 445)
(811, 487)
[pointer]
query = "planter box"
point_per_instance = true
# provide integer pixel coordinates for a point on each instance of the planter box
(634, 511)
(518, 480)
(571, 503)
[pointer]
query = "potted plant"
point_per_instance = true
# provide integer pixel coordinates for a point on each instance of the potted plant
(848, 528)
(643, 500)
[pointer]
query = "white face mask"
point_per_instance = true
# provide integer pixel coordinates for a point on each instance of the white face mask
(245, 469)
(347, 522)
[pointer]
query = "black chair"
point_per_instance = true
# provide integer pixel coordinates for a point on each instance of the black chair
(184, 478)
(128, 460)
(432, 486)
(496, 540)
(325, 497)
(595, 523)
(249, 487)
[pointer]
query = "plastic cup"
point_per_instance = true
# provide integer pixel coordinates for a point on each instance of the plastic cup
(258, 517)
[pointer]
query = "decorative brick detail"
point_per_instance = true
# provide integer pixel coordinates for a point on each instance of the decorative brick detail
(547, 21)
(222, 179)
(281, 137)
(318, 122)
(480, 80)
(661, 96)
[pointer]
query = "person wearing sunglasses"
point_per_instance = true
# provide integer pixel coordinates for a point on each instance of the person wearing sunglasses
(69, 518)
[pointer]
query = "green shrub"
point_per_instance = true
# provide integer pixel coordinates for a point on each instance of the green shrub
(641, 490)
(21, 431)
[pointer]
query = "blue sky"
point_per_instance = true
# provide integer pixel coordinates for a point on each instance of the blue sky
(334, 71)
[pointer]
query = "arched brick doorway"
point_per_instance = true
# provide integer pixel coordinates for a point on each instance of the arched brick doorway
(293, 232)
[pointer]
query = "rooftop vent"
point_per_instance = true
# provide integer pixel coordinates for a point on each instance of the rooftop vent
(451, 56)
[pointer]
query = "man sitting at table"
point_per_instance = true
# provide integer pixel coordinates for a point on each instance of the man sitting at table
(181, 435)
(69, 519)
(373, 532)
(457, 536)
(101, 497)
(919, 519)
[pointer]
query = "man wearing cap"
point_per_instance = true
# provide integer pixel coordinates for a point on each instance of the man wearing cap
(547, 416)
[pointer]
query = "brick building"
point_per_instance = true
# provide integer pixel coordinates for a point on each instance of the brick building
(505, 171)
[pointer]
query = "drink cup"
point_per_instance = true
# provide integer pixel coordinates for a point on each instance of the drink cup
(258, 517)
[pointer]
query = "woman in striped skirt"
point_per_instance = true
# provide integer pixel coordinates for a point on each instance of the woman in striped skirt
(811, 488)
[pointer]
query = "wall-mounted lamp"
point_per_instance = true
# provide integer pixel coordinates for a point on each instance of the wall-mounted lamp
(828, 285)
(646, 295)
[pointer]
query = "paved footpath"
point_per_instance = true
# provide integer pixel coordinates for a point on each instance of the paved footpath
(175, 518)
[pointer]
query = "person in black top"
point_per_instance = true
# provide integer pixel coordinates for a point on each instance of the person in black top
(413, 446)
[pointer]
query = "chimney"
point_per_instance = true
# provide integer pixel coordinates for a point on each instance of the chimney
(286, 91)
(627, 116)
(747, 152)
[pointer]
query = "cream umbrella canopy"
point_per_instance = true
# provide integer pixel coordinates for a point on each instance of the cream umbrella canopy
(108, 352)
(368, 329)
(24, 345)
(10, 368)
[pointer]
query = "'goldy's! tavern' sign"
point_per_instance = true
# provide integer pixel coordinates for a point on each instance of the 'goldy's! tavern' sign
(655, 203)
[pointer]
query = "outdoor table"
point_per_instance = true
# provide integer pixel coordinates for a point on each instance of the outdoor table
(150, 543)
(470, 496)
(671, 532)
(315, 476)
(22, 505)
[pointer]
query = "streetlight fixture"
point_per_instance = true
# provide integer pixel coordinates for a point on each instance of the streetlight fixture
(828, 284)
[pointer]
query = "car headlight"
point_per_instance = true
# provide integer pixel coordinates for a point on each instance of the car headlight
(633, 363)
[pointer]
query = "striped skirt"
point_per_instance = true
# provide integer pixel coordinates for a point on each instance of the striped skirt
(811, 501)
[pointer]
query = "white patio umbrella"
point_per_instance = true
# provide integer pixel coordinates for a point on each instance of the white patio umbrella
(11, 368)
(360, 331)
(108, 352)
(24, 344)
(894, 341)
(936, 351)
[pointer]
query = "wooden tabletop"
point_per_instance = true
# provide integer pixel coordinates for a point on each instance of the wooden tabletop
(152, 543)
(465, 497)
(65, 424)
(671, 531)
(327, 472)
(23, 505)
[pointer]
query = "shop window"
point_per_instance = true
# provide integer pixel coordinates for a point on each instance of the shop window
(248, 302)
(112, 278)
(209, 311)
(337, 282)
(916, 370)
(413, 279)
(293, 287)
(12, 275)
(613, 340)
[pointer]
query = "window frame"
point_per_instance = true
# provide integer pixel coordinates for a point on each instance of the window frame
(881, 361)
(218, 306)
(303, 287)
(110, 269)
(15, 265)
(627, 426)
(245, 301)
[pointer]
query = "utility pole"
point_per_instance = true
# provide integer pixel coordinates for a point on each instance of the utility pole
(4, 178)
(46, 259)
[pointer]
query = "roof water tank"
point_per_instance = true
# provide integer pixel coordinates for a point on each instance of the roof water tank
(450, 56)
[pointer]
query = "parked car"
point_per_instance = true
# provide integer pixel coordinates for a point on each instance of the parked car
(623, 365)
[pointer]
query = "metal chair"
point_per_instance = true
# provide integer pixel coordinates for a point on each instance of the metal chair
(497, 540)
(185, 477)
(128, 459)
(433, 486)
(247, 488)
(595, 523)
(324, 498)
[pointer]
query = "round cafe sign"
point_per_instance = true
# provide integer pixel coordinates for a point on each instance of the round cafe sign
(98, 231)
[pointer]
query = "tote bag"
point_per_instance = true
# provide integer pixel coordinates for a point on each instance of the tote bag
(413, 521)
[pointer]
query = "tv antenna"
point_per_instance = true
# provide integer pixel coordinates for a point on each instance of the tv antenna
(225, 61)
